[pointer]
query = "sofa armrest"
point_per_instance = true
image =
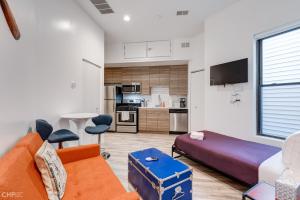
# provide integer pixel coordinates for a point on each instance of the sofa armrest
(72, 154)
(128, 196)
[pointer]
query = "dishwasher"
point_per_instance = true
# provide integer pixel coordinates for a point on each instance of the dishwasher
(178, 121)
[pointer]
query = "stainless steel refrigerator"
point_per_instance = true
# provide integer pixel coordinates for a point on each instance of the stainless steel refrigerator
(113, 96)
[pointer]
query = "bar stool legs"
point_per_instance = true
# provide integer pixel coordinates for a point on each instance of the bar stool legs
(104, 154)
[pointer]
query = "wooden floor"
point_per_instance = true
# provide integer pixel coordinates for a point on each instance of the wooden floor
(207, 183)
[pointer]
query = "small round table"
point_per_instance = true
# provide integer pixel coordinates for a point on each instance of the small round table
(79, 120)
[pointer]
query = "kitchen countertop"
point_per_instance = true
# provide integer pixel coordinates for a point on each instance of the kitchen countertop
(160, 108)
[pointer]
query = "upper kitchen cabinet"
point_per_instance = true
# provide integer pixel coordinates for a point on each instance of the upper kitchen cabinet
(173, 77)
(154, 76)
(108, 75)
(159, 49)
(179, 80)
(159, 76)
(141, 75)
(135, 50)
(127, 75)
(153, 49)
(164, 76)
(112, 75)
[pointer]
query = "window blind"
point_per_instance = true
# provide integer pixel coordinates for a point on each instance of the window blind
(280, 84)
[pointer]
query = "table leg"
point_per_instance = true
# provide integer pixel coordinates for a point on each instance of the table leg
(80, 125)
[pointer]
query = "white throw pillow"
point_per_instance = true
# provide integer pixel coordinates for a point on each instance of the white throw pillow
(52, 170)
(291, 153)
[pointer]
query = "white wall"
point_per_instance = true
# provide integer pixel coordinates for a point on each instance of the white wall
(36, 72)
(229, 36)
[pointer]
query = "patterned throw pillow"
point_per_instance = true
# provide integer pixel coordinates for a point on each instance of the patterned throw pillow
(52, 170)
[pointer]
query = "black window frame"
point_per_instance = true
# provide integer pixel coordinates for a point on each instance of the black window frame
(259, 81)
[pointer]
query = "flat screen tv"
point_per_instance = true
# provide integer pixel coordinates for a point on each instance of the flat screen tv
(229, 73)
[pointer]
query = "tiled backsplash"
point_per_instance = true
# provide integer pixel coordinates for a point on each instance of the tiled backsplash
(159, 95)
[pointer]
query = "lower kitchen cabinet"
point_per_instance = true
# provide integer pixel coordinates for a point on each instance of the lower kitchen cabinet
(142, 119)
(163, 121)
(154, 120)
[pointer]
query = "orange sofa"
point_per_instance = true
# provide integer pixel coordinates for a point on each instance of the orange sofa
(89, 176)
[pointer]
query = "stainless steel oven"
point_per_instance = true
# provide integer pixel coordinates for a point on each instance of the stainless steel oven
(127, 122)
(128, 118)
(131, 88)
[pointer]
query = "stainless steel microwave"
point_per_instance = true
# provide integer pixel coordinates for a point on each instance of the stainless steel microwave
(131, 88)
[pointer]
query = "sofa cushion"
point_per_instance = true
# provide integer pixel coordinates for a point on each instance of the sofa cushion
(19, 174)
(32, 141)
(52, 170)
(90, 179)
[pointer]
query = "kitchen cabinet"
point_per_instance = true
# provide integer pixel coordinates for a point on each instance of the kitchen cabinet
(141, 75)
(128, 75)
(164, 76)
(135, 50)
(174, 77)
(178, 80)
(152, 115)
(142, 120)
(151, 49)
(159, 49)
(154, 76)
(108, 75)
(112, 75)
(163, 122)
(159, 76)
(154, 120)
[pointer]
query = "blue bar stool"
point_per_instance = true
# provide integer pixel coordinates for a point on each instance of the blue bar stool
(102, 125)
(45, 130)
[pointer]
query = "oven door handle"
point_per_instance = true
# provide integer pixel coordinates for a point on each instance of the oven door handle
(130, 112)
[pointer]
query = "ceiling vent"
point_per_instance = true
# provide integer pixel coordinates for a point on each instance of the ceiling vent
(182, 12)
(102, 6)
(185, 45)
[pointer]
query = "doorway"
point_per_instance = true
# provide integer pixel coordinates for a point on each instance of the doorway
(197, 100)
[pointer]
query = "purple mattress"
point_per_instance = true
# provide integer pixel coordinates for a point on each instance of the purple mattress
(234, 157)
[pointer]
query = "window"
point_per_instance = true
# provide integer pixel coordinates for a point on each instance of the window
(279, 84)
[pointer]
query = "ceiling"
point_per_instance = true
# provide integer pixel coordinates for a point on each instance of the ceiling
(153, 19)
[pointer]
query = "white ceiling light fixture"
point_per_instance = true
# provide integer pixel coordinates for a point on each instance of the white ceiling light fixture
(126, 18)
(64, 25)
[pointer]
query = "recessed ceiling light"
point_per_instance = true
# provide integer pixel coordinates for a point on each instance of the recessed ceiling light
(126, 18)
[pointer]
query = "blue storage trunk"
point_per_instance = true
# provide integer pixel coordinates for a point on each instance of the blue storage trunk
(164, 179)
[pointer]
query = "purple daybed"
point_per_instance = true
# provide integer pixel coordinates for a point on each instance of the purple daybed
(237, 158)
